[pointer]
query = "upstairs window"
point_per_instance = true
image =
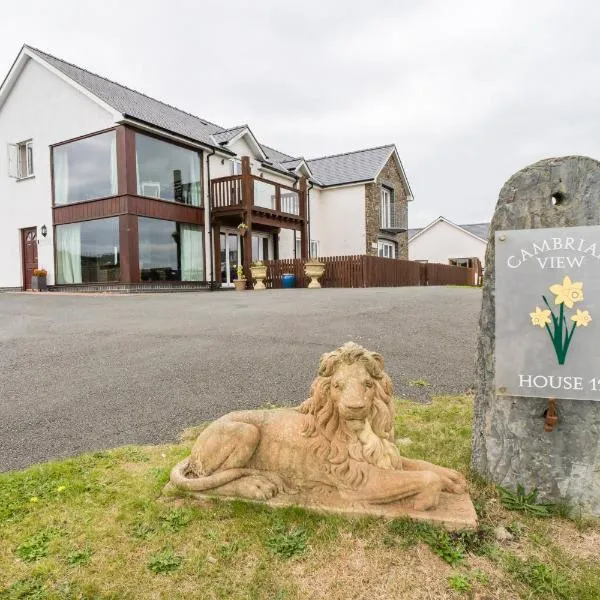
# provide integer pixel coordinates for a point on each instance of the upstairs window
(387, 208)
(20, 160)
(85, 169)
(236, 166)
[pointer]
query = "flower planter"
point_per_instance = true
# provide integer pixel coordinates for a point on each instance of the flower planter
(240, 285)
(314, 269)
(259, 274)
(38, 283)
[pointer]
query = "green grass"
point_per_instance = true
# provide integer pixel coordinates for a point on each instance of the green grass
(97, 527)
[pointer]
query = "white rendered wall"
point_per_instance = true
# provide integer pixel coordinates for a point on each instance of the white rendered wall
(337, 220)
(42, 107)
(443, 241)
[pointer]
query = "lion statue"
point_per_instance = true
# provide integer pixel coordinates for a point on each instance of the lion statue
(339, 440)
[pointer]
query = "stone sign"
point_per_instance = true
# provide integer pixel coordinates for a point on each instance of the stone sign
(548, 313)
(539, 320)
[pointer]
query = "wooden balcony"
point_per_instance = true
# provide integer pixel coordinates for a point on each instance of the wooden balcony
(268, 202)
(260, 204)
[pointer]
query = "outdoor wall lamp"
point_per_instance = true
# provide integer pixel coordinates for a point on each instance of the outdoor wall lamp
(44, 231)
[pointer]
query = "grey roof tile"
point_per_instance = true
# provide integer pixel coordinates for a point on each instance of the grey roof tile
(275, 155)
(135, 104)
(224, 136)
(360, 165)
(481, 230)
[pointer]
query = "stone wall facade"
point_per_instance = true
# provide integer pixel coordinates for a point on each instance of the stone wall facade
(389, 177)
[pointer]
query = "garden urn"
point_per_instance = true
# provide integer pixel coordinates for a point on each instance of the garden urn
(314, 269)
(240, 285)
(259, 274)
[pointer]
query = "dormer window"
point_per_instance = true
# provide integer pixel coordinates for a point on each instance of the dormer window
(20, 160)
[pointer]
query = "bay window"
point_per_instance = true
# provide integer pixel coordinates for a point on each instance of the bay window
(85, 169)
(167, 171)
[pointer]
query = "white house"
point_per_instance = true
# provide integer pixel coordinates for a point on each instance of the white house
(105, 187)
(442, 241)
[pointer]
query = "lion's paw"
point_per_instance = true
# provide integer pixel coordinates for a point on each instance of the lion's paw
(256, 487)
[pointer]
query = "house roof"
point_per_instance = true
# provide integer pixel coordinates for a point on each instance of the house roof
(339, 169)
(350, 167)
(135, 104)
(478, 230)
(222, 137)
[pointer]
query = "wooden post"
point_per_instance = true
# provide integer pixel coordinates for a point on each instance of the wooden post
(126, 163)
(276, 244)
(129, 249)
(303, 214)
(247, 202)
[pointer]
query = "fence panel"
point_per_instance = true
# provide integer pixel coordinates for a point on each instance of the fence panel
(370, 271)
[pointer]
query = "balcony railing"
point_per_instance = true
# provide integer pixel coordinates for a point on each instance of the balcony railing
(394, 217)
(229, 192)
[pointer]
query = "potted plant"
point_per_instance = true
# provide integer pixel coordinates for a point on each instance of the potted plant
(314, 269)
(38, 280)
(240, 282)
(242, 229)
(259, 273)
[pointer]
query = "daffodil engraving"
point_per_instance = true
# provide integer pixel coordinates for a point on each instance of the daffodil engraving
(566, 294)
(581, 318)
(540, 317)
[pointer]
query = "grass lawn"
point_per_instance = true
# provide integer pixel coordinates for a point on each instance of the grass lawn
(96, 527)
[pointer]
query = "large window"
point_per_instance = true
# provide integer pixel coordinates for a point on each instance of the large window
(167, 171)
(85, 169)
(88, 252)
(170, 251)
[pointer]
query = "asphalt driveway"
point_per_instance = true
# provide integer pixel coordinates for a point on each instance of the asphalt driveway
(84, 372)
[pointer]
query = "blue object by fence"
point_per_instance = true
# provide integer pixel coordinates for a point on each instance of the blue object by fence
(288, 280)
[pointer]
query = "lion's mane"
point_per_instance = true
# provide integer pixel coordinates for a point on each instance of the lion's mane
(345, 452)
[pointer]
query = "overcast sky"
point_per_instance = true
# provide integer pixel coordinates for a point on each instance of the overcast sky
(470, 92)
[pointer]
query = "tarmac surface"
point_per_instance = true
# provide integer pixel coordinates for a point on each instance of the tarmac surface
(80, 373)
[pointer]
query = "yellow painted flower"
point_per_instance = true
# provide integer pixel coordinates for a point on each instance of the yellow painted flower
(582, 318)
(569, 292)
(540, 317)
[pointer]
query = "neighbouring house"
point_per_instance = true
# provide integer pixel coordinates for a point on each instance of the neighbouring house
(107, 188)
(443, 241)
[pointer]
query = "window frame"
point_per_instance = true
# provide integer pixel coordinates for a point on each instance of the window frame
(314, 244)
(385, 207)
(384, 247)
(236, 166)
(21, 160)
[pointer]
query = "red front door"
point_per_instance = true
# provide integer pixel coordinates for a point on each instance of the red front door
(30, 251)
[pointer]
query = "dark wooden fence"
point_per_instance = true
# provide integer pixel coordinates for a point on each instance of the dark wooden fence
(370, 271)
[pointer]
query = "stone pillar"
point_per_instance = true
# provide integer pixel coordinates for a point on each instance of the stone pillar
(510, 445)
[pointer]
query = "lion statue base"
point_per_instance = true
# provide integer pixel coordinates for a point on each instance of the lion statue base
(335, 452)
